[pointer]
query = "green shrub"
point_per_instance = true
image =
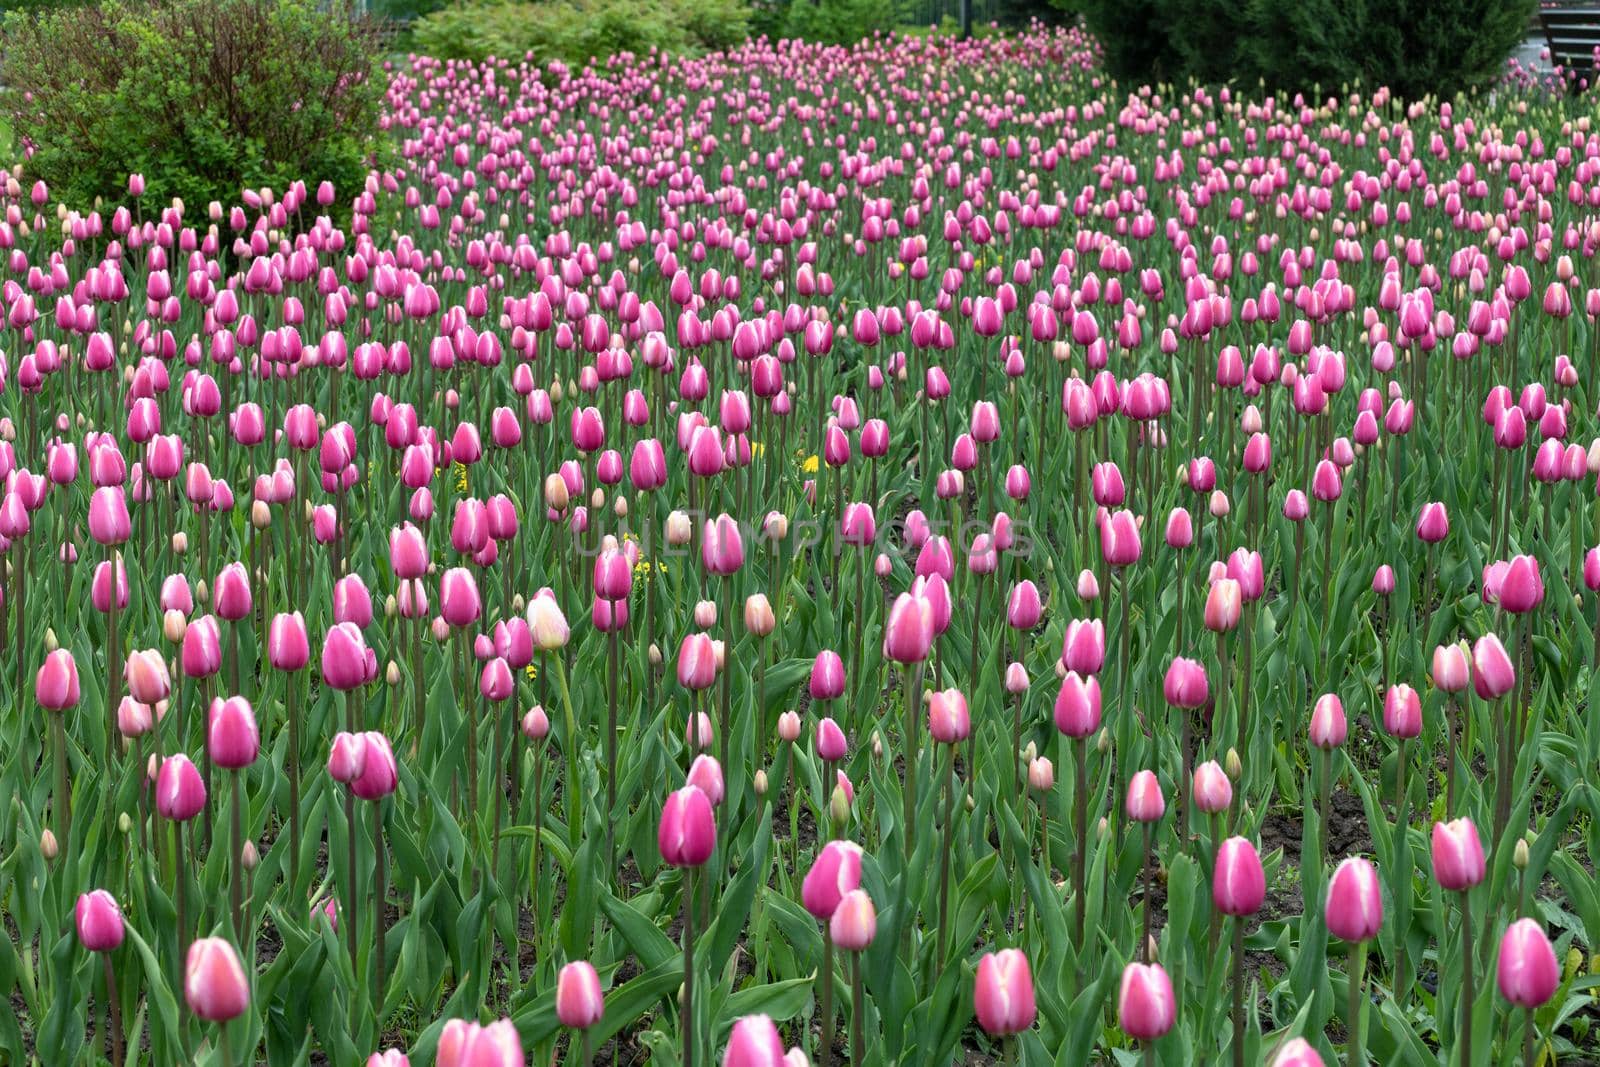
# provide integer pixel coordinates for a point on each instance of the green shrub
(574, 31)
(839, 21)
(202, 97)
(1415, 47)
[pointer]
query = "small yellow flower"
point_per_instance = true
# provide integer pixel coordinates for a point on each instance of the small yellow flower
(533, 672)
(810, 465)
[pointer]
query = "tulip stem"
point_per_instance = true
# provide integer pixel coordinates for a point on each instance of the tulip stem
(1528, 1033)
(569, 742)
(913, 699)
(688, 967)
(587, 1048)
(1238, 992)
(1324, 799)
(61, 810)
(1357, 1056)
(292, 683)
(1466, 978)
(857, 1010)
(1450, 762)
(113, 662)
(379, 894)
(114, 1009)
(351, 906)
(825, 1048)
(222, 1034)
(180, 882)
(1402, 872)
(1080, 859)
(538, 832)
(611, 751)
(236, 822)
(944, 853)
(1149, 887)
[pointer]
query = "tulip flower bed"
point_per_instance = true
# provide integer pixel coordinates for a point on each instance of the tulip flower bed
(909, 555)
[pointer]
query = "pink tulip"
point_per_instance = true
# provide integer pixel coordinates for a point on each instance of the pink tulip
(1003, 994)
(180, 791)
(231, 593)
(688, 832)
(827, 676)
(148, 679)
(470, 1044)
(379, 775)
(1185, 685)
(1458, 860)
(1297, 1053)
(1146, 1007)
(347, 757)
(1354, 907)
(1119, 539)
(1328, 725)
(214, 982)
(1224, 606)
(835, 872)
(288, 646)
(1238, 882)
(1451, 671)
(1528, 974)
(1493, 674)
(754, 1042)
(579, 1001)
(1402, 711)
(55, 687)
(705, 774)
(232, 738)
(949, 721)
(345, 658)
(697, 662)
(854, 922)
(1213, 792)
(1077, 709)
(99, 920)
(1145, 804)
(908, 632)
(1083, 647)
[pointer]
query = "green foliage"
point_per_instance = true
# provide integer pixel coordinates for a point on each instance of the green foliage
(1415, 47)
(574, 31)
(202, 97)
(839, 21)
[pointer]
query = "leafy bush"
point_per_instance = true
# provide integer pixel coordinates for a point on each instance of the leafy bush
(839, 21)
(575, 31)
(1413, 46)
(202, 97)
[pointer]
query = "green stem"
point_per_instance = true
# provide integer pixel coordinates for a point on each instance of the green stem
(944, 853)
(570, 744)
(825, 1049)
(688, 967)
(857, 1011)
(380, 894)
(1238, 992)
(236, 822)
(1080, 859)
(61, 810)
(913, 701)
(1357, 1056)
(114, 1008)
(1466, 979)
